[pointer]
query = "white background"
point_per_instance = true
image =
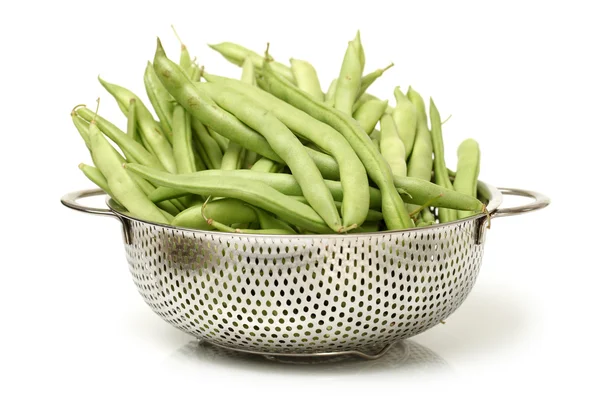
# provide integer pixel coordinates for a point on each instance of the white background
(520, 77)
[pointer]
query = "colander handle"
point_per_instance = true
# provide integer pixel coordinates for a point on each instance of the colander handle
(540, 201)
(70, 200)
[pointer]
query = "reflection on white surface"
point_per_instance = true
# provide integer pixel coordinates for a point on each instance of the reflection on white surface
(405, 355)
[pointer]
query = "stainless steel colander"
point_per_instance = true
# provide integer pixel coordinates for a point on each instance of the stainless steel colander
(306, 295)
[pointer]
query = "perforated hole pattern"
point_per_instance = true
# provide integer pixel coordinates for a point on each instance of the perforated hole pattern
(304, 294)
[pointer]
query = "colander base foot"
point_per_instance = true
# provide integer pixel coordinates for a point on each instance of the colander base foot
(281, 357)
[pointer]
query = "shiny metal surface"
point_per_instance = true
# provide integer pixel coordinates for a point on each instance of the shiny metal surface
(305, 295)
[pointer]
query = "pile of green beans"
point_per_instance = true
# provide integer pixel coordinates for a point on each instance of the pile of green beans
(271, 153)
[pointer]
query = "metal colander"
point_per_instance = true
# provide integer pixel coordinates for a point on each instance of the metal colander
(306, 294)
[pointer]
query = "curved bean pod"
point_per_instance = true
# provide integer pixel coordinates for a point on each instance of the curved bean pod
(367, 80)
(413, 190)
(255, 193)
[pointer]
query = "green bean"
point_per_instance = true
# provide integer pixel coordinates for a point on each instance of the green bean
(162, 102)
(135, 151)
(265, 165)
(236, 54)
(368, 227)
(284, 183)
(249, 77)
(367, 97)
(196, 73)
(467, 171)
(348, 83)
(94, 175)
(202, 155)
(222, 141)
(420, 164)
(288, 147)
(255, 193)
(391, 146)
(120, 184)
(270, 222)
(395, 214)
(367, 80)
(370, 113)
(208, 143)
(345, 165)
(330, 94)
(439, 164)
(420, 191)
(182, 141)
(248, 74)
(226, 210)
(405, 117)
(149, 129)
(203, 108)
(425, 223)
(427, 215)
(326, 164)
(185, 61)
(173, 207)
(82, 126)
(233, 157)
(372, 215)
(306, 78)
(132, 131)
(376, 137)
